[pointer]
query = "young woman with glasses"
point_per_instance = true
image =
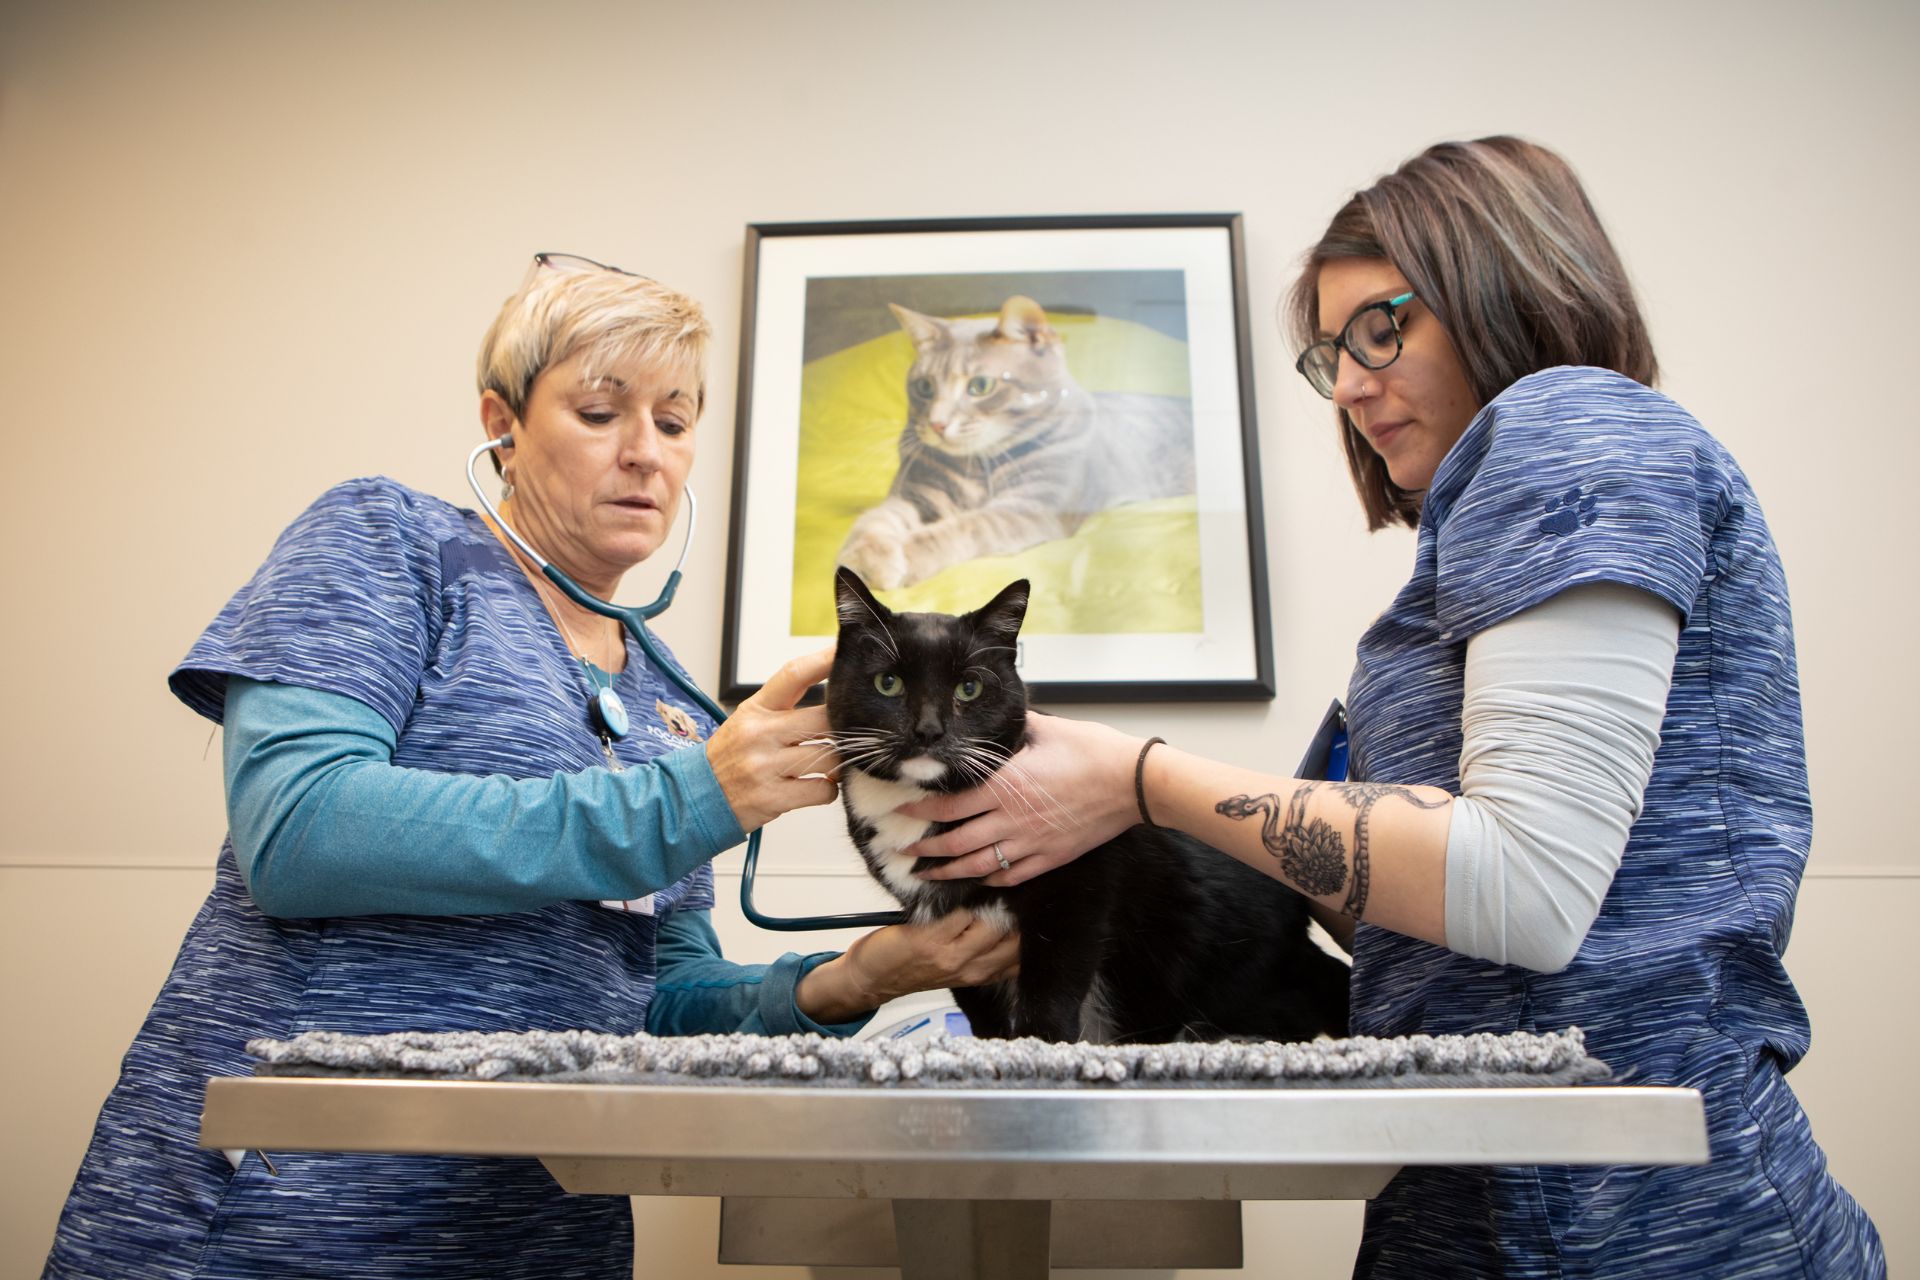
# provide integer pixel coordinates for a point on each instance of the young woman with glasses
(1578, 788)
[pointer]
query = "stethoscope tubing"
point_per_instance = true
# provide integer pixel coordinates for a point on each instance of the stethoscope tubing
(635, 619)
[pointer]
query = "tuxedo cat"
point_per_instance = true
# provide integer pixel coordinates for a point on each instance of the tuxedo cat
(1003, 450)
(1151, 937)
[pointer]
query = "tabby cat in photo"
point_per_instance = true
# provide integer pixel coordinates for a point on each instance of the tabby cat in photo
(1150, 938)
(1003, 450)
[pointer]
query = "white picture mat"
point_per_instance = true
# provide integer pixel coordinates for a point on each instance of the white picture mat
(1223, 650)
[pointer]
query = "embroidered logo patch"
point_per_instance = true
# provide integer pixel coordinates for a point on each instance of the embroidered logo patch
(1568, 512)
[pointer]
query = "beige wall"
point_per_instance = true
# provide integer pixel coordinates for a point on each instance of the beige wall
(248, 250)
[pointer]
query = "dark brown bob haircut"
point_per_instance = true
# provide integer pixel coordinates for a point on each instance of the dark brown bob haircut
(1499, 241)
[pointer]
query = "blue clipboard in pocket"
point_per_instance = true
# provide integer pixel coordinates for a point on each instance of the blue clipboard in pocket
(1326, 758)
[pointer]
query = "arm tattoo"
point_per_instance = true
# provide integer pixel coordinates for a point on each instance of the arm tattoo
(1311, 853)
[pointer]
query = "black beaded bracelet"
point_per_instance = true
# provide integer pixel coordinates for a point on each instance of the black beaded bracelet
(1140, 777)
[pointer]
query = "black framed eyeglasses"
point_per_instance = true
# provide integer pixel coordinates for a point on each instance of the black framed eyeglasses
(1372, 337)
(575, 262)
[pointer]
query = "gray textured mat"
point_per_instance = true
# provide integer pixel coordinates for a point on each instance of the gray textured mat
(1517, 1058)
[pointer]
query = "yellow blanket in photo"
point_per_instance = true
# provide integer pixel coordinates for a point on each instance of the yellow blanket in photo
(1129, 569)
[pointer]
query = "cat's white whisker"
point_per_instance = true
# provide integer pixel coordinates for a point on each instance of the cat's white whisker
(975, 771)
(1009, 795)
(861, 759)
(1030, 790)
(813, 762)
(858, 738)
(984, 746)
(861, 750)
(886, 633)
(986, 757)
(989, 648)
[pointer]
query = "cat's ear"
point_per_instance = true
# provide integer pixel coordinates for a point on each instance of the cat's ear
(1022, 320)
(924, 330)
(855, 605)
(1002, 615)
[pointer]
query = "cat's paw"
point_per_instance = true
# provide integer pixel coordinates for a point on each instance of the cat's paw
(877, 558)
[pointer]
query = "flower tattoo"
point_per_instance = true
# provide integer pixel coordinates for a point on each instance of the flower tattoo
(1311, 852)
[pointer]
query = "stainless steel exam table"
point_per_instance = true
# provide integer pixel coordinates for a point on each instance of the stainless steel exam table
(973, 1183)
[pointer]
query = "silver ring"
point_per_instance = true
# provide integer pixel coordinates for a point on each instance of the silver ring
(1001, 858)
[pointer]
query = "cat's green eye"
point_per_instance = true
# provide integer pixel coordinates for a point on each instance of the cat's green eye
(922, 388)
(889, 684)
(980, 384)
(967, 690)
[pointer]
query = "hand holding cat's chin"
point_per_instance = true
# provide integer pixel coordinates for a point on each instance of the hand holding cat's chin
(1022, 813)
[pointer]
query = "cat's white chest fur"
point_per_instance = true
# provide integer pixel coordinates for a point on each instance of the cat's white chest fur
(873, 801)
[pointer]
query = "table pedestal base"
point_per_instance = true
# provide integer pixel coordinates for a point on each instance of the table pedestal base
(1067, 1234)
(973, 1239)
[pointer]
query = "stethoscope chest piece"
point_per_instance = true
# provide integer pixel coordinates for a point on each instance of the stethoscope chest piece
(609, 714)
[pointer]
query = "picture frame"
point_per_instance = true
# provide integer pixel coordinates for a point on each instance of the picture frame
(1067, 400)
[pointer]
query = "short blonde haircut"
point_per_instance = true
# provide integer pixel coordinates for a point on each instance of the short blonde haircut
(558, 313)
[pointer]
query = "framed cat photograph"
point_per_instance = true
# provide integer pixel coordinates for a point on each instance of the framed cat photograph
(946, 407)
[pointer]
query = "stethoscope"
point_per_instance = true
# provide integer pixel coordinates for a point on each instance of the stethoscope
(610, 713)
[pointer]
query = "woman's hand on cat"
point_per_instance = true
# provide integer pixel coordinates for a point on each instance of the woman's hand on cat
(1068, 790)
(770, 756)
(957, 950)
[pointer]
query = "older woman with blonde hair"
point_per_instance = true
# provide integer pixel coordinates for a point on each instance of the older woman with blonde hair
(433, 827)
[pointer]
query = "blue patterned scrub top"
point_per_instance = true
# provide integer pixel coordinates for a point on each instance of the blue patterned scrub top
(1580, 475)
(411, 606)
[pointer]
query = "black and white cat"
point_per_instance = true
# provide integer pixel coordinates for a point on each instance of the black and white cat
(1152, 937)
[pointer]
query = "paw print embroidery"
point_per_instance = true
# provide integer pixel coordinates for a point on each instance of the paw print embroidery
(1568, 512)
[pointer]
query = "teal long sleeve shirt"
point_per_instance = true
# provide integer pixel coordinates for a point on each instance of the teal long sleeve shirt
(324, 824)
